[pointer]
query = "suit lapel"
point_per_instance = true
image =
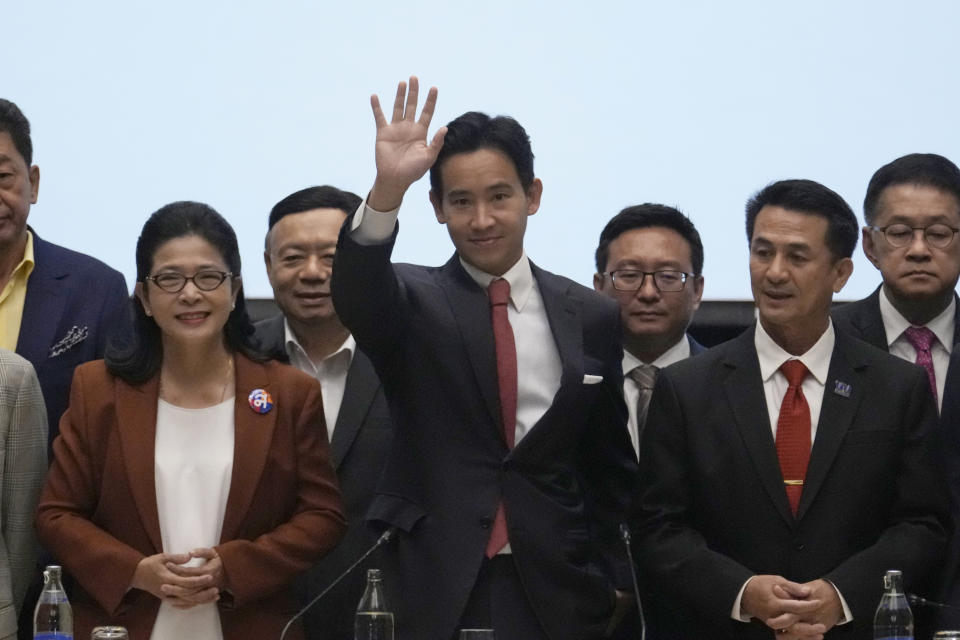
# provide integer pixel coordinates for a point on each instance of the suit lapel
(836, 416)
(744, 391)
(137, 428)
(471, 309)
(253, 433)
(43, 305)
(870, 322)
(361, 388)
(956, 319)
(563, 314)
(271, 336)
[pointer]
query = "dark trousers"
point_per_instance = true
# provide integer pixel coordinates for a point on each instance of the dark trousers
(498, 602)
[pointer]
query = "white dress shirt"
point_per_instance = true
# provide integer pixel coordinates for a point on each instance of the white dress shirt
(193, 466)
(631, 392)
(894, 324)
(331, 372)
(817, 361)
(538, 360)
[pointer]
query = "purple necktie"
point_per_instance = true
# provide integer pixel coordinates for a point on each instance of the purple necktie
(922, 339)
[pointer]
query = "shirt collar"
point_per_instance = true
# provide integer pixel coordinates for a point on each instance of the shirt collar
(27, 262)
(291, 344)
(816, 359)
(894, 324)
(520, 277)
(676, 353)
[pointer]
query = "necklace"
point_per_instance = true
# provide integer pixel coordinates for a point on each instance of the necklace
(227, 379)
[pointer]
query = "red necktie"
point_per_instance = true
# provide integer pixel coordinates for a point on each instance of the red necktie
(922, 339)
(499, 292)
(793, 433)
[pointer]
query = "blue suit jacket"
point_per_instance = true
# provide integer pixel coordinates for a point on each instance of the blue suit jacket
(564, 487)
(74, 305)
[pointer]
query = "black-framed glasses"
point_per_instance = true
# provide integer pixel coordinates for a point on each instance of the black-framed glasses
(207, 280)
(632, 279)
(937, 235)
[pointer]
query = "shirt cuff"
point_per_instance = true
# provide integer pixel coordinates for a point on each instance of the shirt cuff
(847, 614)
(735, 612)
(371, 226)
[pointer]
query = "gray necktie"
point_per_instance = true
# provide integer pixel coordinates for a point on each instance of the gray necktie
(644, 375)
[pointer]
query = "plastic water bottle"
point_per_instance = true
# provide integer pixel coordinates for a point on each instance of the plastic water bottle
(53, 618)
(893, 620)
(373, 621)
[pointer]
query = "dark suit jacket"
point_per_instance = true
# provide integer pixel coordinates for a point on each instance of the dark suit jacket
(862, 320)
(358, 451)
(98, 510)
(565, 485)
(695, 347)
(713, 510)
(73, 307)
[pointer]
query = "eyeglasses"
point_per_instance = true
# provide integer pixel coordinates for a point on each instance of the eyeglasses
(939, 235)
(632, 279)
(203, 280)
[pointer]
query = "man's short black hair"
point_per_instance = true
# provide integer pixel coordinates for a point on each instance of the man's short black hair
(325, 197)
(16, 125)
(642, 216)
(921, 169)
(474, 131)
(807, 196)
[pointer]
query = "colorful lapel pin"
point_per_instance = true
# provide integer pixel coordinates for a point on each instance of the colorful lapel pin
(260, 401)
(842, 389)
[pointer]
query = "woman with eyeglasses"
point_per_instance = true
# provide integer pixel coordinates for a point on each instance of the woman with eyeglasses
(191, 480)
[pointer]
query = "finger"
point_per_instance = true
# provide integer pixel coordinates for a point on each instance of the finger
(398, 102)
(782, 621)
(196, 596)
(437, 143)
(191, 572)
(804, 631)
(412, 96)
(194, 581)
(378, 116)
(175, 558)
(203, 552)
(798, 607)
(794, 589)
(428, 107)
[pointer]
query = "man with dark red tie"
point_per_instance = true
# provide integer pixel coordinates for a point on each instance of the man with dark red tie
(511, 465)
(782, 473)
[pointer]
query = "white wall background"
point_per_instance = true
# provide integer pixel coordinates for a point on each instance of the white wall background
(692, 103)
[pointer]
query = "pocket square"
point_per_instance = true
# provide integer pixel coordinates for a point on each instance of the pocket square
(592, 379)
(75, 336)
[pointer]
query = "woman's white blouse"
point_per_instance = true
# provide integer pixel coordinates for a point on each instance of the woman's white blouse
(193, 466)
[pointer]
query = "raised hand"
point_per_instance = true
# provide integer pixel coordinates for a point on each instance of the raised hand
(402, 152)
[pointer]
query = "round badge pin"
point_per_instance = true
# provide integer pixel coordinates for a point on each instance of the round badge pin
(260, 401)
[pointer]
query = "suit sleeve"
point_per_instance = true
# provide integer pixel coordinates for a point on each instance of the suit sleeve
(367, 295)
(609, 464)
(103, 564)
(673, 555)
(919, 519)
(268, 563)
(24, 467)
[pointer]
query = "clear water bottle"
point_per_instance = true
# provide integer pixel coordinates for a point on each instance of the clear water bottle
(53, 618)
(893, 620)
(374, 621)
